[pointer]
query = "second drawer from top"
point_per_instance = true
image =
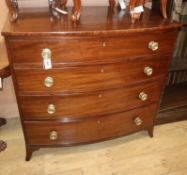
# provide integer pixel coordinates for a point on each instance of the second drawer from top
(90, 78)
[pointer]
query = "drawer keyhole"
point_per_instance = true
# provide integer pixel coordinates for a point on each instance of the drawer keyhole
(102, 70)
(100, 96)
(104, 44)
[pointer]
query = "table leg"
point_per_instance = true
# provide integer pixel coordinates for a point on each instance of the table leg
(13, 9)
(76, 11)
(112, 3)
(163, 6)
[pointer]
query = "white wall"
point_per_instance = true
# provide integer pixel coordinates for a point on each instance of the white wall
(41, 3)
(3, 14)
(8, 106)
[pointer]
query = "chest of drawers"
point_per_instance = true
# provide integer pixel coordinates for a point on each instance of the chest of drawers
(106, 78)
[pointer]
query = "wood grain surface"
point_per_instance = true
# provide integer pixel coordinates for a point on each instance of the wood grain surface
(91, 130)
(79, 79)
(98, 74)
(67, 50)
(83, 106)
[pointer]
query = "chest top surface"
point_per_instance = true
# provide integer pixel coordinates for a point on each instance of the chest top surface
(94, 21)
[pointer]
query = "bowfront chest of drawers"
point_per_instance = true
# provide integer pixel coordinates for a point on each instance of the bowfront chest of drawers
(106, 78)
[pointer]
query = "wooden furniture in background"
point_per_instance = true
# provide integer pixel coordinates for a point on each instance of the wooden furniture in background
(61, 4)
(4, 72)
(174, 102)
(13, 6)
(106, 78)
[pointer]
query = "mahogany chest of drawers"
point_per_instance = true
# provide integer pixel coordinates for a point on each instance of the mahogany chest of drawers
(106, 78)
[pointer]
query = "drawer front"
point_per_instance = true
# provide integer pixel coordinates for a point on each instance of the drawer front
(90, 78)
(69, 108)
(91, 130)
(90, 49)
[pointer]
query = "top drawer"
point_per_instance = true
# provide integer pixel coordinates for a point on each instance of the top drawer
(67, 50)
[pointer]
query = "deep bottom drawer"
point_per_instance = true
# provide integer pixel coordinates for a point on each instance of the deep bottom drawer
(90, 130)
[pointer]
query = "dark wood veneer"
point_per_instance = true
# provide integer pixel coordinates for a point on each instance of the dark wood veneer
(89, 130)
(87, 49)
(98, 68)
(83, 106)
(90, 78)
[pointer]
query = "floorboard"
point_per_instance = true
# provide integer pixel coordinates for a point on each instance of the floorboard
(136, 154)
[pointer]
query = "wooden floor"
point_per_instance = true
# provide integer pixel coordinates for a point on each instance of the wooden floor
(137, 154)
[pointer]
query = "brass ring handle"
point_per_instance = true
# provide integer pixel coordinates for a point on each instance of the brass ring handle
(46, 53)
(138, 121)
(48, 81)
(53, 135)
(51, 109)
(153, 45)
(143, 96)
(148, 71)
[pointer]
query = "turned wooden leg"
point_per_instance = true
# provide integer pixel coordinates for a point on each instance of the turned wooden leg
(29, 151)
(112, 3)
(110, 14)
(150, 131)
(163, 6)
(13, 9)
(63, 3)
(76, 11)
